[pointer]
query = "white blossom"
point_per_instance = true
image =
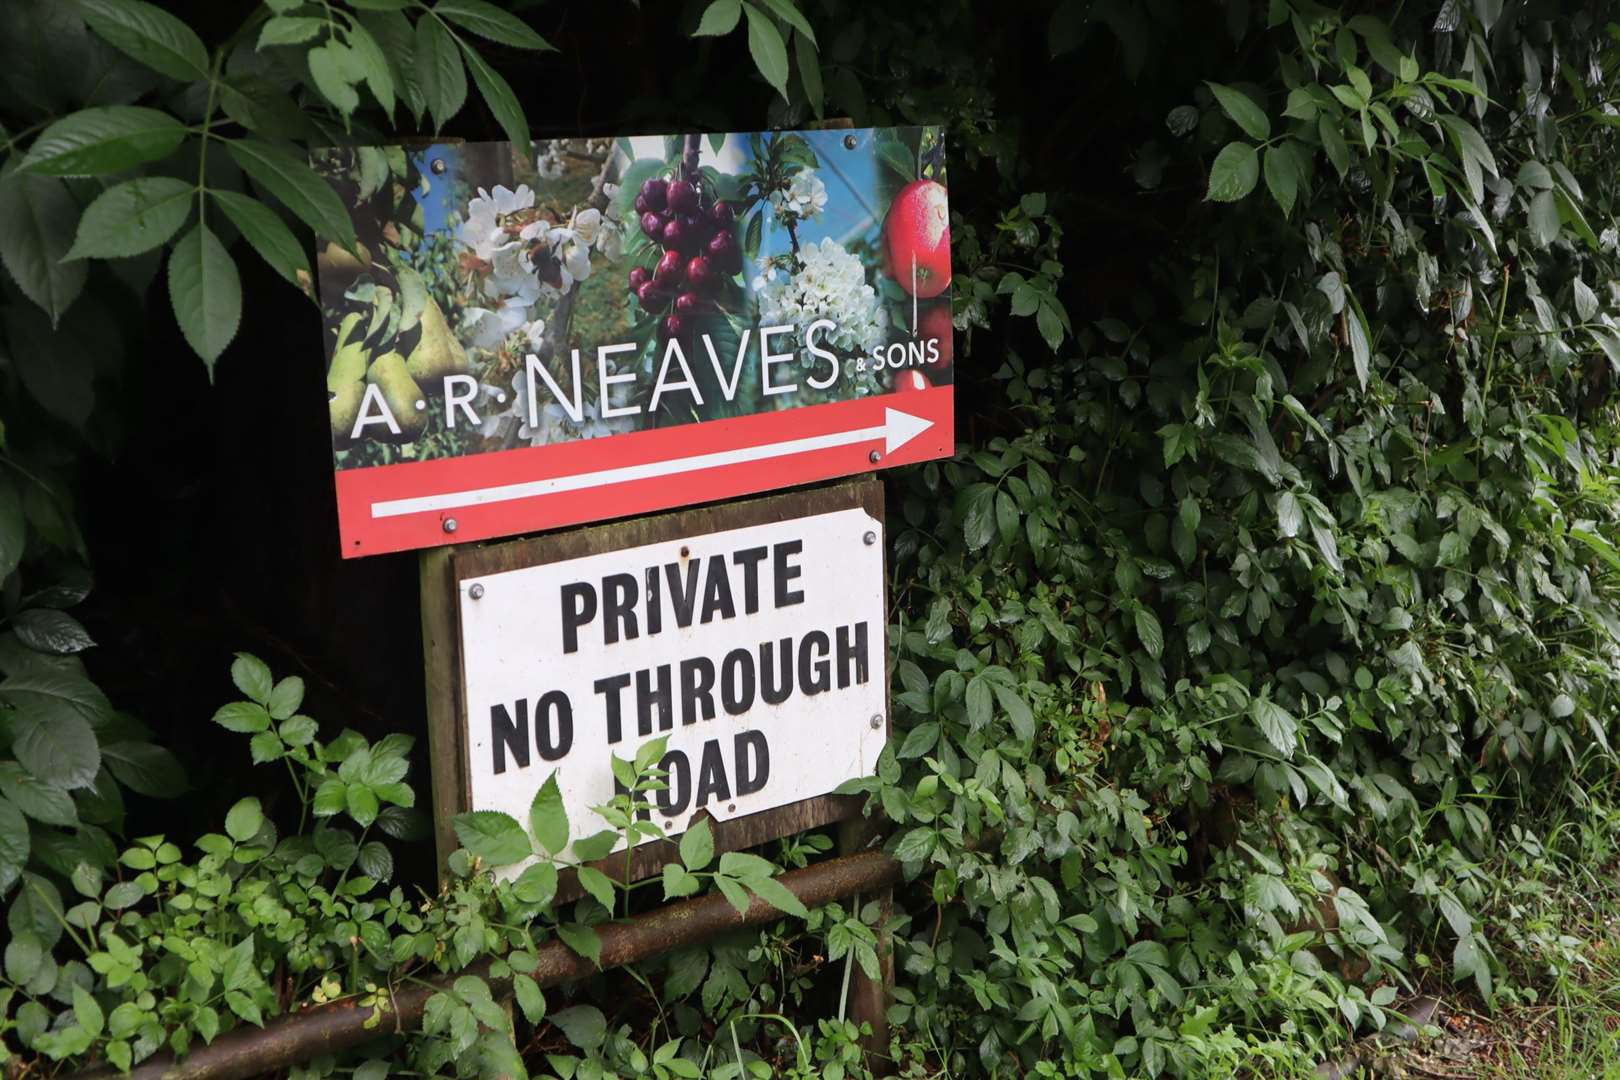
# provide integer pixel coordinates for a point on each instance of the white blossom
(483, 230)
(485, 328)
(831, 285)
(805, 197)
(550, 162)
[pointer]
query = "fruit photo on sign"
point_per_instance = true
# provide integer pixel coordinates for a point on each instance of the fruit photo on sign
(499, 300)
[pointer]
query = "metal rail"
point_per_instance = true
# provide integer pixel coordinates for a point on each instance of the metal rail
(327, 1029)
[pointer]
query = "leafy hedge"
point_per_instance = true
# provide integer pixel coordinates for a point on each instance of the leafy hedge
(1276, 580)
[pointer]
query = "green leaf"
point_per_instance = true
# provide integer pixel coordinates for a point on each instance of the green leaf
(40, 217)
(376, 861)
(264, 230)
(149, 34)
(24, 957)
(583, 939)
(678, 881)
(502, 102)
(1282, 177)
(289, 178)
(106, 139)
(1235, 172)
(719, 18)
(246, 717)
(1338, 151)
(1289, 515)
(14, 840)
(537, 884)
(1545, 224)
(284, 699)
(584, 1025)
(921, 739)
(369, 60)
(330, 797)
(362, 805)
(804, 51)
(487, 20)
(244, 820)
(697, 846)
(205, 292)
(548, 818)
(1149, 631)
(596, 846)
(788, 13)
(1276, 723)
(766, 46)
(34, 797)
(54, 632)
(132, 217)
(56, 744)
(529, 998)
(598, 885)
(438, 68)
(496, 838)
(87, 1012)
(289, 30)
(1243, 110)
(777, 895)
(335, 74)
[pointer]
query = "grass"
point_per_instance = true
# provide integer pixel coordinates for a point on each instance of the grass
(1555, 922)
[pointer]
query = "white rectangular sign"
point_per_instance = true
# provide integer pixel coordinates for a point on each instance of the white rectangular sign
(758, 651)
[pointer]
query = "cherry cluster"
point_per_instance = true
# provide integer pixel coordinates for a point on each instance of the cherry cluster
(699, 251)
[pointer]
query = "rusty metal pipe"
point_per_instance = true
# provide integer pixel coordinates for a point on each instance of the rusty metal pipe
(327, 1029)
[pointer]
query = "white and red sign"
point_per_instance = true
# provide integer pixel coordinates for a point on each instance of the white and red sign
(626, 325)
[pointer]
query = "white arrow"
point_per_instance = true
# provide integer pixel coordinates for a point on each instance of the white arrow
(897, 429)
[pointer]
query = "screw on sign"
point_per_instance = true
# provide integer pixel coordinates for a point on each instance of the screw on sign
(778, 315)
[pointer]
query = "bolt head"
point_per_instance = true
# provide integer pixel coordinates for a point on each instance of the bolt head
(869, 538)
(874, 457)
(876, 721)
(449, 525)
(476, 592)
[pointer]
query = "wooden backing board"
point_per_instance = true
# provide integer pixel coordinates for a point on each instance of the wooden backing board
(443, 570)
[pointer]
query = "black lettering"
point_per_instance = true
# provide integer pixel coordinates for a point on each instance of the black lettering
(578, 609)
(554, 745)
(717, 591)
(752, 774)
(508, 734)
(648, 696)
(673, 799)
(697, 685)
(683, 596)
(784, 573)
(772, 692)
(737, 681)
(609, 688)
(851, 653)
(749, 559)
(655, 603)
(815, 674)
(712, 783)
(618, 607)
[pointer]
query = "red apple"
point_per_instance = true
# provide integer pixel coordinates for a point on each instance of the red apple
(917, 239)
(935, 323)
(910, 381)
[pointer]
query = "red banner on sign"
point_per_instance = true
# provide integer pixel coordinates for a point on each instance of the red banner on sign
(423, 503)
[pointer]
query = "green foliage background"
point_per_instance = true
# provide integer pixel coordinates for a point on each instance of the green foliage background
(1270, 601)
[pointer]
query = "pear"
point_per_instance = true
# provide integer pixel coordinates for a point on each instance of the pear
(348, 366)
(437, 351)
(350, 323)
(339, 268)
(345, 408)
(400, 392)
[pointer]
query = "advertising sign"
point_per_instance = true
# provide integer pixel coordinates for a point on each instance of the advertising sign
(750, 636)
(624, 325)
